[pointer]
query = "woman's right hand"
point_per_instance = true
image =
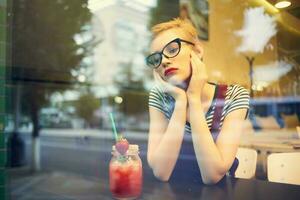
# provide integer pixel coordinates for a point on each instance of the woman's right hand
(176, 92)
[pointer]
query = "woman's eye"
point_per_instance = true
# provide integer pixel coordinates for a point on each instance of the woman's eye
(173, 50)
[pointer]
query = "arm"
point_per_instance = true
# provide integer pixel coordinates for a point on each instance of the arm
(165, 139)
(215, 159)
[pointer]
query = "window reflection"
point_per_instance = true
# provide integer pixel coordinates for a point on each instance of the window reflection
(74, 62)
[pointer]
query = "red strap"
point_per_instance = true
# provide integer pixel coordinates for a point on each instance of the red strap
(219, 104)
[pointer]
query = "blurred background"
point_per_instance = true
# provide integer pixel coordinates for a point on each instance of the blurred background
(65, 64)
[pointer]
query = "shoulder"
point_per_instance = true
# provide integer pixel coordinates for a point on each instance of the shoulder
(161, 100)
(237, 97)
(156, 99)
(236, 91)
(156, 93)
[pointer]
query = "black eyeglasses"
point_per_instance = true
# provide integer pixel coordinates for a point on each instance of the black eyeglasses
(170, 50)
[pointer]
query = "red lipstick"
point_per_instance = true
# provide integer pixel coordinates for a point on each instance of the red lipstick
(170, 70)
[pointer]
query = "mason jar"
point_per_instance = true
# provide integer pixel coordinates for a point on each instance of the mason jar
(126, 173)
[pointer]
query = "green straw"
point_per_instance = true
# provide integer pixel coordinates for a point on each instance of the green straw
(113, 126)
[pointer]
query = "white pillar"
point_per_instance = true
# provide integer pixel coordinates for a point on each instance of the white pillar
(36, 166)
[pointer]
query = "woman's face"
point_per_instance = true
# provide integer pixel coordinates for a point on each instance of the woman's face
(181, 63)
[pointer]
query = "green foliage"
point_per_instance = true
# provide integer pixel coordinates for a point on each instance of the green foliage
(44, 49)
(135, 102)
(127, 80)
(164, 11)
(86, 105)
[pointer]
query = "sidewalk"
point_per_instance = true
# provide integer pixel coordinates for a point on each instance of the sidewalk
(103, 134)
(24, 185)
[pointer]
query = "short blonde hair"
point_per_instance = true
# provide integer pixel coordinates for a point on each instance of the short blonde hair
(179, 23)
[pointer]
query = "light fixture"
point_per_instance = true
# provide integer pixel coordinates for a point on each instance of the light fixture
(81, 78)
(282, 4)
(118, 99)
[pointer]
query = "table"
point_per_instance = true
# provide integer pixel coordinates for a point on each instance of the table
(62, 186)
(228, 189)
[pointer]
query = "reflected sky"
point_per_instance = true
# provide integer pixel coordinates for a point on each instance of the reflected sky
(257, 30)
(266, 74)
(95, 5)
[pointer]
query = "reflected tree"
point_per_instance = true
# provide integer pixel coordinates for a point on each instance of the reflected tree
(164, 11)
(131, 84)
(49, 40)
(86, 106)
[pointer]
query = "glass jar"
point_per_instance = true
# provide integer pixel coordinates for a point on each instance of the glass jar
(126, 173)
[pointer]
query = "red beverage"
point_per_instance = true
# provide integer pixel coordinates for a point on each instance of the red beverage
(125, 174)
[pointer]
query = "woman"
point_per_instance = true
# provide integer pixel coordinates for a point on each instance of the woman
(195, 125)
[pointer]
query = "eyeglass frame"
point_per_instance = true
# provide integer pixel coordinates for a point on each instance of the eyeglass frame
(178, 40)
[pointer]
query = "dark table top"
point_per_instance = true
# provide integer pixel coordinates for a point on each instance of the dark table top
(62, 186)
(229, 188)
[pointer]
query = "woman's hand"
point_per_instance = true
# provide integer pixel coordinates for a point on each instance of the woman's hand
(176, 92)
(198, 78)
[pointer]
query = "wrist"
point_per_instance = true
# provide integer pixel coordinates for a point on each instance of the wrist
(180, 96)
(181, 101)
(195, 104)
(194, 99)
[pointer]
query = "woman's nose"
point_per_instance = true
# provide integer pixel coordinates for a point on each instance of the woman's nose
(165, 62)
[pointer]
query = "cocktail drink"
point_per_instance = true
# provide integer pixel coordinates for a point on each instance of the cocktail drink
(125, 173)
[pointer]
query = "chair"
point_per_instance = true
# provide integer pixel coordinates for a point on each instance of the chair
(247, 163)
(284, 167)
(267, 122)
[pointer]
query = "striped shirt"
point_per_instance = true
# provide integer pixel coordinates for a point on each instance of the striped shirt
(237, 97)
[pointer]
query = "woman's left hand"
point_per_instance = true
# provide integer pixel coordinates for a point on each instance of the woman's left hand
(198, 79)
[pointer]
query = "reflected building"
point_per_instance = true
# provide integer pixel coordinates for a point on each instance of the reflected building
(122, 29)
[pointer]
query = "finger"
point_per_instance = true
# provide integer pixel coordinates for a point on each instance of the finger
(158, 78)
(164, 85)
(197, 57)
(200, 65)
(195, 67)
(155, 76)
(201, 68)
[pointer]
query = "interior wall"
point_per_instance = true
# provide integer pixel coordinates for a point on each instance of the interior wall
(224, 64)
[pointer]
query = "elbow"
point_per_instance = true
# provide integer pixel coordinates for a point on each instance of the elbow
(158, 172)
(213, 179)
(161, 176)
(215, 175)
(150, 161)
